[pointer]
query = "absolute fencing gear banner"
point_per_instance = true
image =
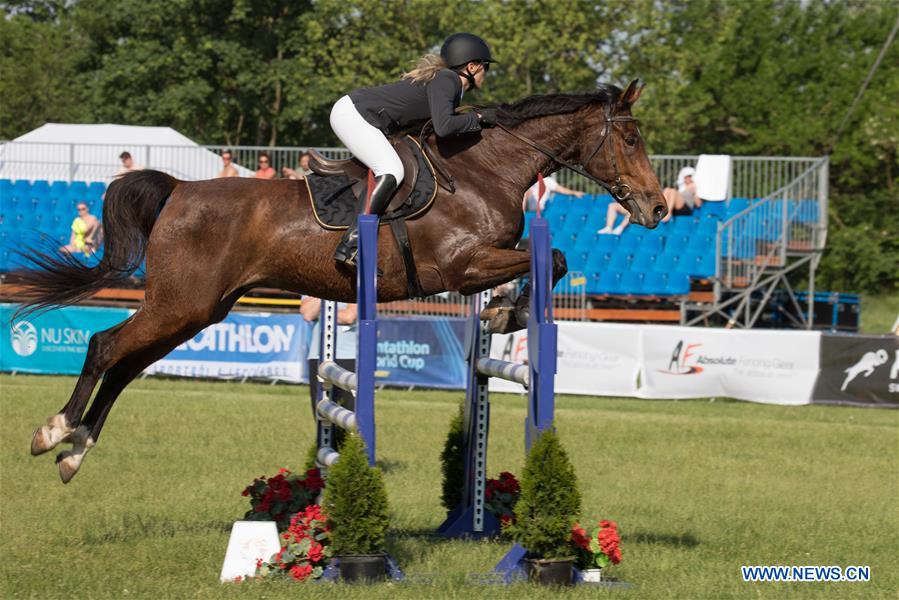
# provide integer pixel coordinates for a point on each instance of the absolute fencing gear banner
(774, 367)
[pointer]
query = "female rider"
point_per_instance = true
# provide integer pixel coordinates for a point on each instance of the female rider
(364, 118)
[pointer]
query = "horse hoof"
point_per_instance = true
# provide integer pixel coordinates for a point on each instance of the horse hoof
(68, 465)
(496, 305)
(502, 322)
(40, 441)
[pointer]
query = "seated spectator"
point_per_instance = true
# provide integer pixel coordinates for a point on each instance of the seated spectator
(612, 213)
(87, 233)
(265, 170)
(529, 202)
(228, 169)
(302, 168)
(127, 164)
(345, 353)
(683, 200)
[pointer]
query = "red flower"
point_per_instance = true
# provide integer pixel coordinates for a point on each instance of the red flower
(283, 471)
(246, 492)
(301, 573)
(505, 520)
(604, 523)
(238, 579)
(580, 537)
(316, 552)
(258, 562)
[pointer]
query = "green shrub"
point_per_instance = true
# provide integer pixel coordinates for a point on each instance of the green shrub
(356, 502)
(453, 462)
(550, 500)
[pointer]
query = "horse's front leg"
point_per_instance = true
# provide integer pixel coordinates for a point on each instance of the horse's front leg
(506, 316)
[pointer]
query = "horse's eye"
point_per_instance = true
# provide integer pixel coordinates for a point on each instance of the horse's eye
(631, 140)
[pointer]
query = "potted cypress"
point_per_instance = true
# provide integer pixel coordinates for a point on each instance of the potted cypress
(356, 504)
(545, 513)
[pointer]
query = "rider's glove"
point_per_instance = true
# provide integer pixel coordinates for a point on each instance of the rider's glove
(487, 117)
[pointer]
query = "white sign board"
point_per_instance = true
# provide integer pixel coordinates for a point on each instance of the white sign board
(250, 541)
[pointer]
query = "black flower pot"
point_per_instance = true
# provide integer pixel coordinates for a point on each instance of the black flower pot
(362, 568)
(550, 571)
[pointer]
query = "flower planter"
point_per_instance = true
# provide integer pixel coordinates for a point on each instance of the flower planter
(592, 575)
(363, 568)
(550, 571)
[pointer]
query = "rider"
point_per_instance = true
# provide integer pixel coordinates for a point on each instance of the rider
(365, 117)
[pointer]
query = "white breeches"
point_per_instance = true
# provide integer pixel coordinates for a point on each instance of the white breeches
(364, 140)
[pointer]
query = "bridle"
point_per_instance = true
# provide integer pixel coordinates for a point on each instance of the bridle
(619, 190)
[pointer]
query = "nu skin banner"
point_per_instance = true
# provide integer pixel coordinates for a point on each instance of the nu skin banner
(774, 367)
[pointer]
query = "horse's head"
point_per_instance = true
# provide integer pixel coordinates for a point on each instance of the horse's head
(612, 150)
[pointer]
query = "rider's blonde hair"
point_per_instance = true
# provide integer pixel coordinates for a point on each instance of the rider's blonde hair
(427, 68)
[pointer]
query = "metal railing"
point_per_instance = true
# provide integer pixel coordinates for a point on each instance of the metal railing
(790, 220)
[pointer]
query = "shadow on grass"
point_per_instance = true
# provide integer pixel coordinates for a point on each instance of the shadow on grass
(408, 545)
(136, 527)
(682, 540)
(391, 466)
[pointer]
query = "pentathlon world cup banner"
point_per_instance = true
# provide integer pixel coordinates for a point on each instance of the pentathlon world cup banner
(774, 367)
(422, 352)
(271, 346)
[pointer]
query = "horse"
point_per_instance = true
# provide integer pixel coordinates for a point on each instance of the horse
(207, 243)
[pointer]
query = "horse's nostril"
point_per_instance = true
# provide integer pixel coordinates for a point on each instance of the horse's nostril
(659, 212)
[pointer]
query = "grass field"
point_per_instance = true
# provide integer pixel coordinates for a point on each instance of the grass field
(698, 489)
(879, 313)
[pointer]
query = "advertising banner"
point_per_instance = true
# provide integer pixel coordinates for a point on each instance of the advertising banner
(244, 346)
(601, 359)
(421, 352)
(775, 367)
(858, 369)
(53, 342)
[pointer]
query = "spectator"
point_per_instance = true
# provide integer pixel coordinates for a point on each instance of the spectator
(265, 170)
(302, 168)
(345, 353)
(127, 164)
(529, 202)
(612, 213)
(87, 233)
(228, 169)
(683, 200)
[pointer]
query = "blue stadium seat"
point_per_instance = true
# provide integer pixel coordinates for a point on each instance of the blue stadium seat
(77, 190)
(59, 188)
(650, 244)
(654, 283)
(606, 244)
(706, 266)
(678, 284)
(619, 261)
(688, 264)
(736, 205)
(632, 282)
(40, 189)
(706, 227)
(682, 225)
(701, 244)
(597, 262)
(713, 209)
(96, 189)
(629, 244)
(643, 261)
(609, 283)
(667, 262)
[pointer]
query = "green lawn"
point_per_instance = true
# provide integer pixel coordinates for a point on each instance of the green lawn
(698, 489)
(879, 313)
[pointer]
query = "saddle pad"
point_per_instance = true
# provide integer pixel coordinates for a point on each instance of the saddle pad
(334, 203)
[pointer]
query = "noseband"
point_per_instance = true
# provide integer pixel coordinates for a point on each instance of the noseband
(619, 190)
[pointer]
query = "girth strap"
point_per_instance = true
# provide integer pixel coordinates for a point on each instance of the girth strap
(401, 234)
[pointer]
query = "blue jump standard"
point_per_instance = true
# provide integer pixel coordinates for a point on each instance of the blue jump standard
(362, 382)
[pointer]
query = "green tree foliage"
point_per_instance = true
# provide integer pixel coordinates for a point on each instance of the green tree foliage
(550, 500)
(452, 461)
(767, 77)
(356, 502)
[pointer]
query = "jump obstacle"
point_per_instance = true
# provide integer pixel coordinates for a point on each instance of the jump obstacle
(470, 518)
(361, 383)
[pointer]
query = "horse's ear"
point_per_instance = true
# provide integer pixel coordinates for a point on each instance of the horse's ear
(632, 93)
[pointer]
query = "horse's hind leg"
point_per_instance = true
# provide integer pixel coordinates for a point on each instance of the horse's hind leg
(145, 341)
(62, 424)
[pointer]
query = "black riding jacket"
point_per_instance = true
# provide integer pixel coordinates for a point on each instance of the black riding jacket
(398, 106)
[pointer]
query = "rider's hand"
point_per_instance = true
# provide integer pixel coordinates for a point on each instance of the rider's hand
(487, 117)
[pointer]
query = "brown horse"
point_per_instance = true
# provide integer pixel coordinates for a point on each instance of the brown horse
(207, 243)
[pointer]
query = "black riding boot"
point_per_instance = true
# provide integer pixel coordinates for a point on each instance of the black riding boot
(346, 251)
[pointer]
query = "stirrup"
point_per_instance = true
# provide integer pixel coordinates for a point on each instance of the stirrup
(346, 254)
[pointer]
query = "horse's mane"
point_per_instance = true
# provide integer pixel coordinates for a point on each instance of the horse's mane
(554, 104)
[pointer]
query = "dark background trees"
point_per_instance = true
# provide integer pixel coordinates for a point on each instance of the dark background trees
(758, 77)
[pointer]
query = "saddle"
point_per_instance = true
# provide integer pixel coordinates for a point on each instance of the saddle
(335, 186)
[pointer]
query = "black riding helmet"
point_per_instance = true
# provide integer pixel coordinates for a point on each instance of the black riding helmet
(460, 49)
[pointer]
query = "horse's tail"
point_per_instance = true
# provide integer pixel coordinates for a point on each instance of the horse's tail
(129, 212)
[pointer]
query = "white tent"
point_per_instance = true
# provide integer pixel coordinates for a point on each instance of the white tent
(57, 151)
